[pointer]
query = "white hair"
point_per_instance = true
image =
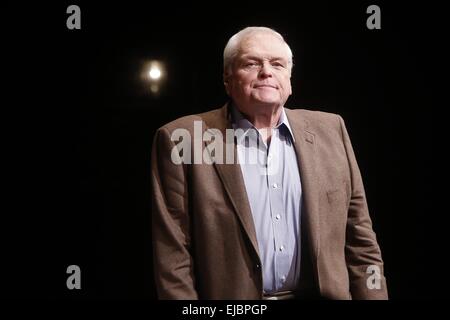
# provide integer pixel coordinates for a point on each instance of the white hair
(231, 49)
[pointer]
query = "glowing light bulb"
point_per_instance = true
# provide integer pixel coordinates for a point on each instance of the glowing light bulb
(154, 73)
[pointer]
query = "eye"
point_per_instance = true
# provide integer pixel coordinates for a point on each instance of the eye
(251, 64)
(278, 64)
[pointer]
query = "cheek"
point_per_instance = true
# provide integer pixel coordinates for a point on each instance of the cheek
(238, 88)
(287, 85)
(243, 85)
(245, 78)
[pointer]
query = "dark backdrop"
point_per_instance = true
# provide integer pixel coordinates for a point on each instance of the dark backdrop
(80, 123)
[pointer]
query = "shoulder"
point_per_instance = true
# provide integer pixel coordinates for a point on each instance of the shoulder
(314, 116)
(187, 122)
(316, 120)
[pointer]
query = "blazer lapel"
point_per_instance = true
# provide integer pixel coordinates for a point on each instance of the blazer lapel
(305, 150)
(231, 175)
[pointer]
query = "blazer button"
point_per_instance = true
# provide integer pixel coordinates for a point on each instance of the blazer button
(257, 266)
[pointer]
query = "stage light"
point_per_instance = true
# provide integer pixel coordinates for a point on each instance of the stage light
(154, 73)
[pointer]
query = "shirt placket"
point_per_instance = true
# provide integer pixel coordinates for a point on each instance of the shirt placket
(275, 186)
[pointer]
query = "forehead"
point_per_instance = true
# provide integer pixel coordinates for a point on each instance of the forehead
(264, 46)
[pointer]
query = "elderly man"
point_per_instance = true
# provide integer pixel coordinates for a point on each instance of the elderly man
(293, 224)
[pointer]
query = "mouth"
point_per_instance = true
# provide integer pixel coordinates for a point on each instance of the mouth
(265, 86)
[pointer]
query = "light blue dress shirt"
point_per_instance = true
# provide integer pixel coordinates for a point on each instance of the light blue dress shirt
(272, 182)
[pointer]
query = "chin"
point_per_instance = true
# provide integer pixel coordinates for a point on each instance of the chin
(269, 99)
(266, 99)
(269, 102)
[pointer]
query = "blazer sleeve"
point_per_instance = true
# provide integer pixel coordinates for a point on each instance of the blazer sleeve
(173, 263)
(362, 252)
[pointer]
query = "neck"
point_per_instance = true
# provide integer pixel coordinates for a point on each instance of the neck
(264, 121)
(261, 120)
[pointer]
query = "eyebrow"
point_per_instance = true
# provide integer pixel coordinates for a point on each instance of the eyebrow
(250, 57)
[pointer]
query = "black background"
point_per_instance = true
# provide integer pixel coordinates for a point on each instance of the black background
(79, 123)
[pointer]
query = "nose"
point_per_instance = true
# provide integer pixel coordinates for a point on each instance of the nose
(265, 71)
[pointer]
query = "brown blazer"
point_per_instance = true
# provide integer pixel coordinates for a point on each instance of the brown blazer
(204, 239)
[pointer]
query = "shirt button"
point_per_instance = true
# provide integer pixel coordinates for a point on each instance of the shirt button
(281, 248)
(275, 186)
(283, 278)
(278, 217)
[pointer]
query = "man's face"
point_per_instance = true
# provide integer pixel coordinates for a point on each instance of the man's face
(260, 75)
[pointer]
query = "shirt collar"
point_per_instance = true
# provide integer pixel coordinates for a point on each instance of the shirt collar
(240, 122)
